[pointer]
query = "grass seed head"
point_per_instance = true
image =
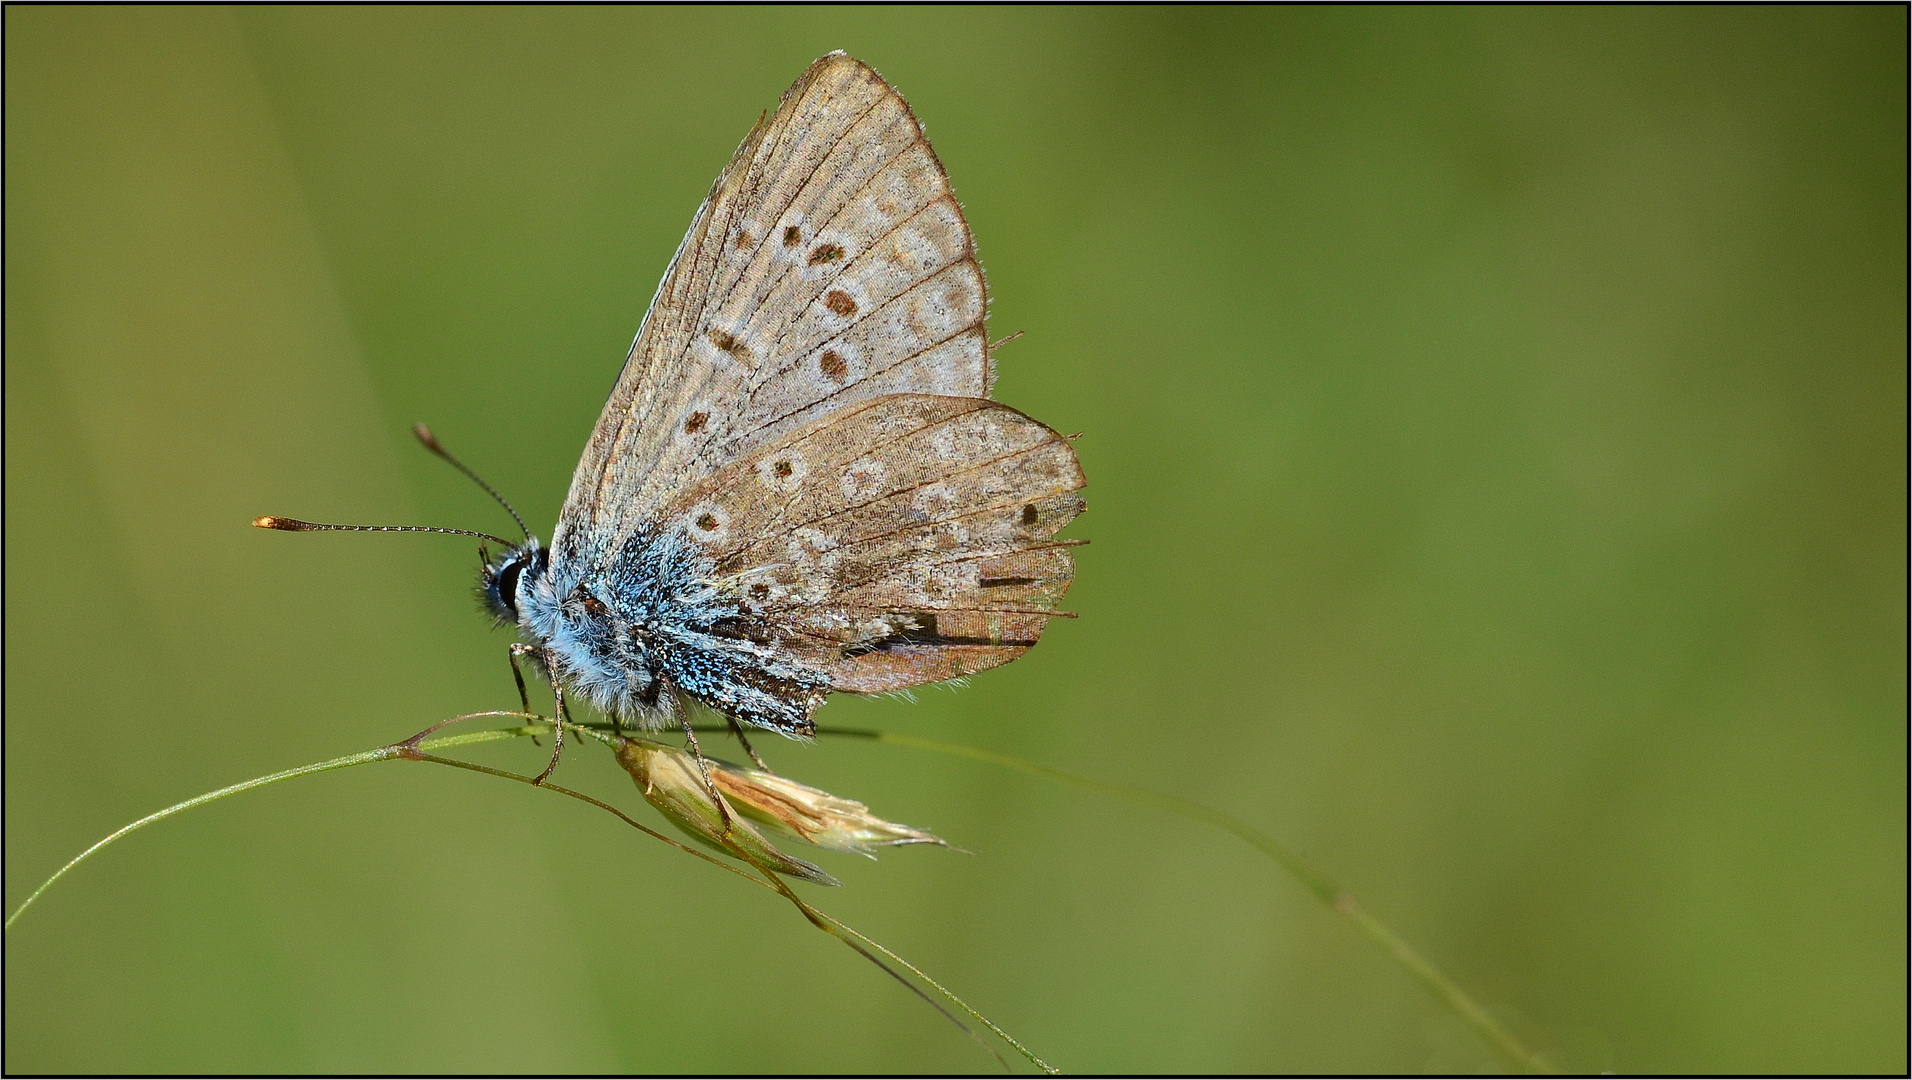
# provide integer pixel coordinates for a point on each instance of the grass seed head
(811, 815)
(670, 781)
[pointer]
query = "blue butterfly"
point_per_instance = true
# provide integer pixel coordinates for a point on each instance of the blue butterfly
(798, 484)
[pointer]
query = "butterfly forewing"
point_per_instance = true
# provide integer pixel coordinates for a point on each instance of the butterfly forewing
(829, 265)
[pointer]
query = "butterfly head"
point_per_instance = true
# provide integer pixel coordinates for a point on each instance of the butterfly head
(504, 582)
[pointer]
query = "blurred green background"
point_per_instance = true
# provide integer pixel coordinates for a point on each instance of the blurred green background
(1496, 434)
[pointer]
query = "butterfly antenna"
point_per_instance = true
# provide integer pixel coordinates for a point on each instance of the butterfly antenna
(284, 524)
(431, 443)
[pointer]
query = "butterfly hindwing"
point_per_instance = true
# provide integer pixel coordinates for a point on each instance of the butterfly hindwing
(904, 540)
(829, 265)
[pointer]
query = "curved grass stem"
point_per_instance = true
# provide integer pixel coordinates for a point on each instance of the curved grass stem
(383, 753)
(211, 796)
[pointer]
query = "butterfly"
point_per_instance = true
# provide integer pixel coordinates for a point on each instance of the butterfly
(799, 485)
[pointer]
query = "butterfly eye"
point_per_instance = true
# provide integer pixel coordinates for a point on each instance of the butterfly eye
(595, 607)
(507, 584)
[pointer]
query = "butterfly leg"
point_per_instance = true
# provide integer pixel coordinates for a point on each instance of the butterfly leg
(520, 649)
(737, 730)
(690, 736)
(557, 724)
(516, 650)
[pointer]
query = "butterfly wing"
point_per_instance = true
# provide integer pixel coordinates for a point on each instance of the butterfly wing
(829, 265)
(906, 539)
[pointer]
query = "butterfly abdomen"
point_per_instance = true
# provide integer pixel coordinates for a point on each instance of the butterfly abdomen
(749, 688)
